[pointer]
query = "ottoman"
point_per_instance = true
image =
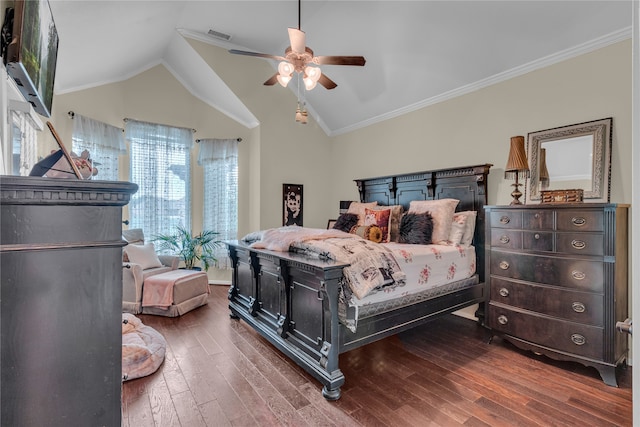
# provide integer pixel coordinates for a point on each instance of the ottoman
(175, 292)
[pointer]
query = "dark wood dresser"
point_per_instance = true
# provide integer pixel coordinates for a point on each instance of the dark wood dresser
(558, 280)
(61, 301)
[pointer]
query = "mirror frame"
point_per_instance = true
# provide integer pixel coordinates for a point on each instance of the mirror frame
(602, 131)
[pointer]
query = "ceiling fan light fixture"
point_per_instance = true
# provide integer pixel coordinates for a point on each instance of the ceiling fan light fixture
(283, 80)
(308, 83)
(285, 70)
(311, 77)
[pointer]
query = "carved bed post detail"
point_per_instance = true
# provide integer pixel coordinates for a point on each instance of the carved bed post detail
(330, 352)
(360, 185)
(233, 289)
(431, 186)
(282, 322)
(393, 188)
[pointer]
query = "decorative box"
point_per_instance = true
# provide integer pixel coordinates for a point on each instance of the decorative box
(562, 196)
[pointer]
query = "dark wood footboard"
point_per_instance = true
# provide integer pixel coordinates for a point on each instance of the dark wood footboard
(292, 301)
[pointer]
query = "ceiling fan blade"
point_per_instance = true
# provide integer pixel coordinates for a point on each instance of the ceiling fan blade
(297, 39)
(326, 82)
(272, 80)
(260, 55)
(339, 60)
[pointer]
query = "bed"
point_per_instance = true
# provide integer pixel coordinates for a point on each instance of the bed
(297, 302)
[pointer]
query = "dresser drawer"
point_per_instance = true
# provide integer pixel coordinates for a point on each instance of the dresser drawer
(580, 243)
(582, 307)
(565, 272)
(537, 241)
(505, 238)
(580, 220)
(503, 218)
(538, 219)
(562, 335)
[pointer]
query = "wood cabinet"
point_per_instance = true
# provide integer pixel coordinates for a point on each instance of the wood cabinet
(61, 305)
(558, 280)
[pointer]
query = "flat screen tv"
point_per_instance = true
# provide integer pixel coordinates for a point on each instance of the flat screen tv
(32, 52)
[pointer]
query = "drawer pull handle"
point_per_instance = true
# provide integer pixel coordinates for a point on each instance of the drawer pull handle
(578, 275)
(536, 236)
(505, 220)
(504, 265)
(578, 244)
(504, 239)
(578, 307)
(502, 319)
(536, 216)
(578, 339)
(578, 221)
(504, 292)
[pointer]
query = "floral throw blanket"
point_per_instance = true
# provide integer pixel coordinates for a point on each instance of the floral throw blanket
(371, 264)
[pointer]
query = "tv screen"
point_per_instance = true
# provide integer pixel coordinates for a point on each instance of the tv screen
(32, 53)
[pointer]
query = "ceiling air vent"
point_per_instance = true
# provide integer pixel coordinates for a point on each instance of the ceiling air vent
(219, 35)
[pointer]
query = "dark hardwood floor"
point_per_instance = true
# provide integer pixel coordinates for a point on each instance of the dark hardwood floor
(219, 372)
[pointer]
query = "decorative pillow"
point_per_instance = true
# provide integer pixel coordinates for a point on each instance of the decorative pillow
(133, 235)
(416, 229)
(145, 255)
(346, 222)
(470, 229)
(441, 211)
(381, 218)
(368, 232)
(458, 226)
(358, 209)
(394, 222)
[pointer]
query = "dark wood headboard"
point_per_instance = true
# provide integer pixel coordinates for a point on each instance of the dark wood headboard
(467, 184)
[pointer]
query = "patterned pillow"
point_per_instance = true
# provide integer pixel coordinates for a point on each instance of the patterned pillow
(394, 221)
(358, 209)
(416, 229)
(346, 222)
(381, 218)
(458, 227)
(441, 211)
(368, 232)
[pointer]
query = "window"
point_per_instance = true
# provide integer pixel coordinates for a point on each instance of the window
(160, 165)
(24, 143)
(103, 142)
(219, 160)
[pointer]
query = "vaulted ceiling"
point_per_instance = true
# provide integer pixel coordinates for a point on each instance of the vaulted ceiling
(418, 52)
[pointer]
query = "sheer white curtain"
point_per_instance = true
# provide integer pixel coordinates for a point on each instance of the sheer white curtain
(219, 160)
(25, 143)
(104, 143)
(160, 165)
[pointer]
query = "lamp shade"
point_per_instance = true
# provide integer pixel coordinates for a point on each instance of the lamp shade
(517, 163)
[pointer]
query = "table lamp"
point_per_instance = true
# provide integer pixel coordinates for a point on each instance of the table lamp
(517, 166)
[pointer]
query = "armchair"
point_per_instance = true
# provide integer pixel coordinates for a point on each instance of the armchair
(139, 262)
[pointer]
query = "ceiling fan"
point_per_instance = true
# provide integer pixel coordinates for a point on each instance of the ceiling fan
(299, 58)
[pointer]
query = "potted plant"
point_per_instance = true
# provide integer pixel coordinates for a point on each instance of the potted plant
(192, 249)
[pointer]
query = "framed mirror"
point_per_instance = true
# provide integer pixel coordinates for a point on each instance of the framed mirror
(571, 157)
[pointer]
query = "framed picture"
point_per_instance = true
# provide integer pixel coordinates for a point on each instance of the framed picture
(292, 204)
(331, 223)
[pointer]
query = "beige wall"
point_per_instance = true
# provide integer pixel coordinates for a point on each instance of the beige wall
(476, 128)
